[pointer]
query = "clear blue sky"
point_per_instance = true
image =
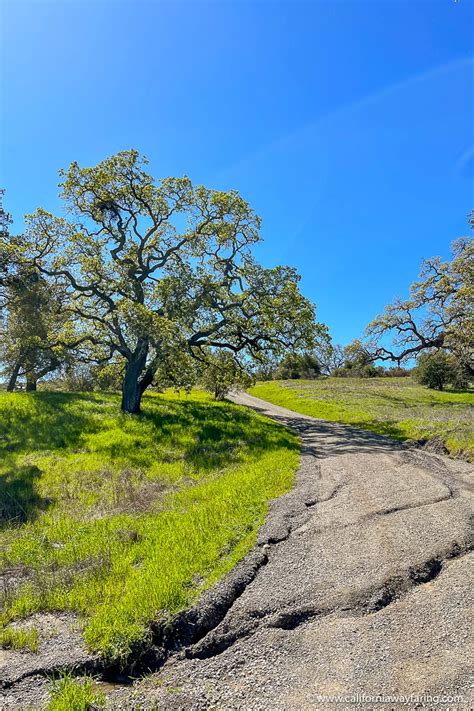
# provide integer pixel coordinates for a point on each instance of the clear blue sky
(347, 125)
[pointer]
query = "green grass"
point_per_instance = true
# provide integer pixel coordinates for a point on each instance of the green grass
(396, 407)
(75, 694)
(12, 638)
(126, 519)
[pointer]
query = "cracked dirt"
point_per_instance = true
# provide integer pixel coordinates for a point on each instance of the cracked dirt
(360, 582)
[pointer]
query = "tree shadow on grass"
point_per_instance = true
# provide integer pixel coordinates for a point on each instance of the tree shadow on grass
(222, 434)
(206, 435)
(19, 498)
(39, 422)
(47, 422)
(221, 427)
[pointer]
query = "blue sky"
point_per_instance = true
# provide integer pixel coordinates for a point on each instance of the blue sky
(347, 125)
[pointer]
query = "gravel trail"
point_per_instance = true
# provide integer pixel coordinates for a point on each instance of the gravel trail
(363, 586)
(367, 587)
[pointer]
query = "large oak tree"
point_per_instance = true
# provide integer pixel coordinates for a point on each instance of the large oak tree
(159, 272)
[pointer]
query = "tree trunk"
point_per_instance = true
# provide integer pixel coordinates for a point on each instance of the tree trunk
(30, 385)
(14, 377)
(131, 390)
(134, 383)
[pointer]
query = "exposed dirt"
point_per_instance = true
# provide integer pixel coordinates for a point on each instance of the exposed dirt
(359, 584)
(24, 675)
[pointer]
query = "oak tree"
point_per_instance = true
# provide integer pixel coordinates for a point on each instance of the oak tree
(31, 321)
(153, 271)
(30, 313)
(438, 315)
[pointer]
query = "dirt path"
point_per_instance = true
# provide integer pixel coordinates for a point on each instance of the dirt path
(361, 585)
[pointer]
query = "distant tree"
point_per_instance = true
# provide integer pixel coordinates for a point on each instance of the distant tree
(32, 321)
(298, 365)
(265, 371)
(221, 374)
(439, 314)
(155, 270)
(328, 355)
(434, 370)
(32, 314)
(84, 376)
(357, 362)
(108, 376)
(336, 358)
(356, 355)
(462, 372)
(79, 377)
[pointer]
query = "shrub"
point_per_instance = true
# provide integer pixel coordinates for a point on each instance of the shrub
(298, 365)
(371, 371)
(397, 372)
(435, 370)
(222, 374)
(342, 373)
(359, 371)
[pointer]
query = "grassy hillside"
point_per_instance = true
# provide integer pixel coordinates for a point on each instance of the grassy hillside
(397, 407)
(121, 518)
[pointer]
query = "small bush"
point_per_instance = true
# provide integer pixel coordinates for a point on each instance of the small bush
(359, 371)
(435, 370)
(295, 366)
(221, 374)
(341, 373)
(397, 372)
(371, 371)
